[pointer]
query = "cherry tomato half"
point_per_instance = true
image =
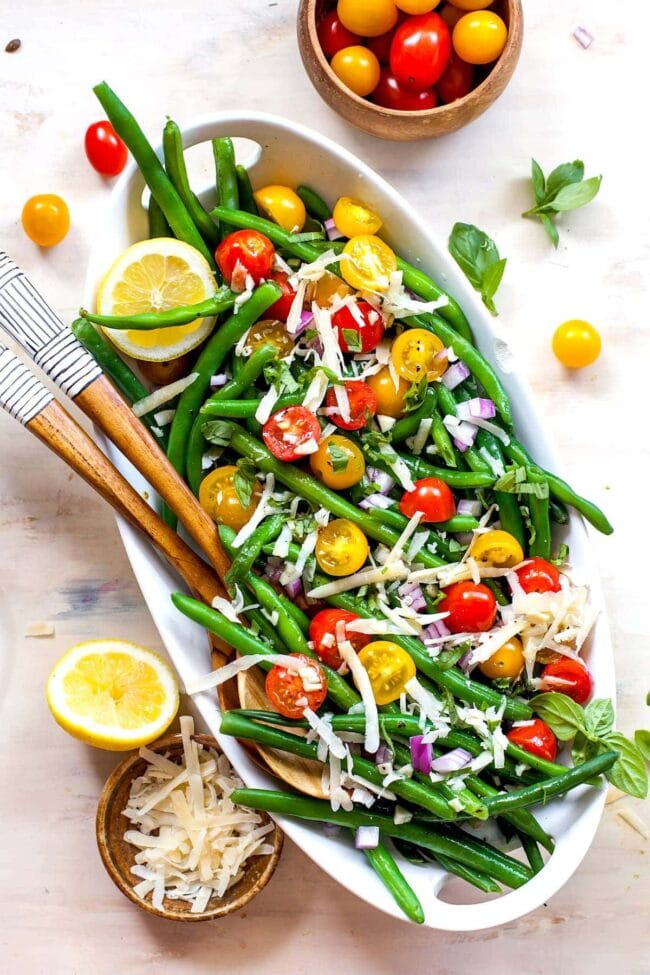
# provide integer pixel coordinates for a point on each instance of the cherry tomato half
(333, 36)
(367, 19)
(328, 288)
(338, 463)
(390, 93)
(358, 69)
(576, 344)
(420, 51)
(105, 150)
(569, 677)
(432, 497)
(324, 629)
(359, 336)
(46, 219)
(352, 217)
(507, 661)
(283, 206)
(480, 37)
(291, 691)
(390, 398)
(218, 495)
(418, 354)
(342, 548)
(281, 308)
(538, 575)
(292, 433)
(389, 668)
(362, 403)
(497, 548)
(269, 331)
(248, 248)
(471, 606)
(368, 263)
(535, 737)
(457, 80)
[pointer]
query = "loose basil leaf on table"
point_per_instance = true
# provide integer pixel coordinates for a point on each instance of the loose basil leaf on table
(564, 189)
(642, 742)
(478, 257)
(629, 772)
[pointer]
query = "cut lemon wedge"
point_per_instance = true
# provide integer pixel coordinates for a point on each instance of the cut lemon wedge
(112, 694)
(156, 275)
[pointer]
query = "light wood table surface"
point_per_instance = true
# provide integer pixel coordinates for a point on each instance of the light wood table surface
(61, 556)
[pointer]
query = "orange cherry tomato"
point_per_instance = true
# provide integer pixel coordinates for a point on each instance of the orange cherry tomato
(358, 68)
(576, 344)
(46, 219)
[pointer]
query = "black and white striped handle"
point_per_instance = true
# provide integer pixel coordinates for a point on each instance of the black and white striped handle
(22, 394)
(29, 320)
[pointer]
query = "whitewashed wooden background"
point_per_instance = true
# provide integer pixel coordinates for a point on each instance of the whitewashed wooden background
(62, 560)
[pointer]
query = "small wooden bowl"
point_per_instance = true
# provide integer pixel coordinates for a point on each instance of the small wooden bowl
(388, 123)
(118, 856)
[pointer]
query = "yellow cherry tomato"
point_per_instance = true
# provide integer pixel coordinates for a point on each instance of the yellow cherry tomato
(358, 68)
(479, 37)
(342, 548)
(368, 263)
(390, 399)
(326, 289)
(416, 354)
(46, 219)
(367, 18)
(338, 462)
(282, 205)
(389, 669)
(352, 217)
(218, 495)
(269, 331)
(506, 662)
(418, 6)
(472, 4)
(497, 548)
(576, 344)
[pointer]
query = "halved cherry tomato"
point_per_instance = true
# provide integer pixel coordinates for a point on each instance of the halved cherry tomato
(390, 398)
(269, 331)
(367, 334)
(292, 433)
(368, 263)
(569, 677)
(535, 737)
(342, 548)
(497, 548)
(105, 150)
(357, 67)
(457, 80)
(323, 632)
(367, 19)
(218, 495)
(507, 661)
(420, 51)
(291, 691)
(338, 463)
(248, 248)
(281, 308)
(282, 205)
(418, 354)
(432, 497)
(380, 46)
(538, 575)
(327, 289)
(352, 217)
(391, 93)
(480, 37)
(471, 606)
(333, 36)
(389, 668)
(576, 344)
(46, 219)
(362, 403)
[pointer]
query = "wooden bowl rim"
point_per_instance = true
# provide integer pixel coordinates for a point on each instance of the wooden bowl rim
(126, 771)
(307, 9)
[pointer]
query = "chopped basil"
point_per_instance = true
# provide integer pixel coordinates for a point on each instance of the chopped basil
(338, 457)
(352, 339)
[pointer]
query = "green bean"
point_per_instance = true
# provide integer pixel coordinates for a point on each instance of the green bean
(315, 205)
(222, 301)
(116, 369)
(559, 514)
(510, 516)
(497, 591)
(408, 425)
(290, 607)
(458, 847)
(151, 168)
(212, 356)
(458, 523)
(540, 543)
(177, 172)
(245, 190)
(393, 518)
(471, 455)
(521, 819)
(474, 877)
(246, 556)
(241, 409)
(227, 185)
(420, 468)
(281, 238)
(158, 226)
(556, 786)
(269, 632)
(532, 852)
(384, 865)
(471, 805)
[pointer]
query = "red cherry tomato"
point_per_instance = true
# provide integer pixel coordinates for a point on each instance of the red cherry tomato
(420, 51)
(471, 606)
(292, 433)
(286, 690)
(569, 677)
(380, 46)
(323, 630)
(457, 80)
(369, 332)
(105, 150)
(333, 36)
(251, 250)
(392, 94)
(432, 497)
(363, 405)
(538, 575)
(536, 738)
(280, 309)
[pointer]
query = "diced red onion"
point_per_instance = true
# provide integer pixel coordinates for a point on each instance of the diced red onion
(294, 588)
(452, 762)
(464, 663)
(465, 435)
(421, 753)
(366, 838)
(467, 507)
(383, 754)
(583, 37)
(219, 380)
(274, 568)
(306, 317)
(478, 408)
(411, 591)
(455, 375)
(435, 630)
(332, 231)
(315, 344)
(385, 483)
(375, 501)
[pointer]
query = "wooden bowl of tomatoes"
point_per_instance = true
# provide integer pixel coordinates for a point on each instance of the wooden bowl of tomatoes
(410, 69)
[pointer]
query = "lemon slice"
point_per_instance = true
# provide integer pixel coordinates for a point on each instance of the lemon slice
(156, 275)
(112, 694)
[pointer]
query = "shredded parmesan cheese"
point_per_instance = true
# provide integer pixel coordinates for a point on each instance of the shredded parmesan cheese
(163, 395)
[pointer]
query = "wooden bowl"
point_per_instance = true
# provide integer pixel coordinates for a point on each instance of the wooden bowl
(118, 856)
(388, 123)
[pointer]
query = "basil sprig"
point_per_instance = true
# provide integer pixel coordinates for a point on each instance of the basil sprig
(592, 731)
(478, 257)
(564, 189)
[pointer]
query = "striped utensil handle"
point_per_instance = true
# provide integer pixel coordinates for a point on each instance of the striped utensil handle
(22, 394)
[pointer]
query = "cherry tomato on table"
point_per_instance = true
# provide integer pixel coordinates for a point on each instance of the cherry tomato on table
(283, 206)
(248, 248)
(538, 575)
(359, 336)
(479, 38)
(471, 606)
(457, 80)
(418, 354)
(576, 344)
(324, 631)
(352, 217)
(291, 691)
(292, 433)
(497, 548)
(368, 263)
(218, 496)
(362, 403)
(338, 463)
(105, 150)
(46, 219)
(333, 36)
(391, 398)
(391, 93)
(535, 737)
(432, 497)
(507, 661)
(569, 677)
(342, 548)
(367, 19)
(281, 308)
(389, 668)
(420, 51)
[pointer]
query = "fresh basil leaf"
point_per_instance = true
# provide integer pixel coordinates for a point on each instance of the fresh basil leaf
(562, 556)
(539, 183)
(599, 717)
(583, 749)
(629, 772)
(575, 195)
(550, 228)
(352, 339)
(491, 281)
(563, 716)
(338, 457)
(279, 375)
(642, 742)
(478, 257)
(244, 480)
(563, 175)
(217, 432)
(448, 658)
